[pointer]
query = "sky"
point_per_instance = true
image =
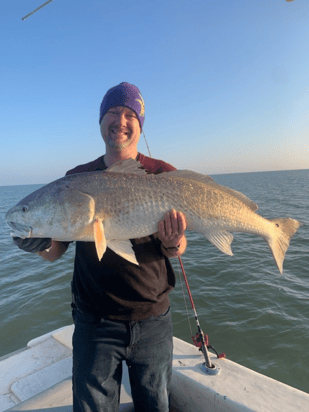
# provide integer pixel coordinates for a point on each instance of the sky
(225, 83)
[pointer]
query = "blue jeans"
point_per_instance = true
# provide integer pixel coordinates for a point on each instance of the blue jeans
(100, 346)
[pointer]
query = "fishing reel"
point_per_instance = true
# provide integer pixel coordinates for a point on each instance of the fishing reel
(200, 338)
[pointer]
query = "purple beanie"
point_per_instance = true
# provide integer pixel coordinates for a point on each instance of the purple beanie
(124, 94)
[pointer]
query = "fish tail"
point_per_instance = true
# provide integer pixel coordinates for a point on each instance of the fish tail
(279, 243)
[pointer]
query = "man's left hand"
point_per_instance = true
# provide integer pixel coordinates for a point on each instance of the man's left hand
(171, 230)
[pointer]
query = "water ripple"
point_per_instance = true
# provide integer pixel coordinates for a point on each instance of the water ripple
(257, 316)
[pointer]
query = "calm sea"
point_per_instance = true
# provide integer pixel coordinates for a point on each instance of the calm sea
(257, 316)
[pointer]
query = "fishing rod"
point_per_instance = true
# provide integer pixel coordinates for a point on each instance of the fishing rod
(201, 342)
(38, 8)
(200, 339)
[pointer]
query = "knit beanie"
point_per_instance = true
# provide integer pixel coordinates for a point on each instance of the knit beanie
(127, 95)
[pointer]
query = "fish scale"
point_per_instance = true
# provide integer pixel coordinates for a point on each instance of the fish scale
(124, 202)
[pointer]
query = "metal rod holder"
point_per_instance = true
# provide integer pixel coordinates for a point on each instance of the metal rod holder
(214, 370)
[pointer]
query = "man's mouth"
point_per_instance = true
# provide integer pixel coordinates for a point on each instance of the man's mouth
(119, 132)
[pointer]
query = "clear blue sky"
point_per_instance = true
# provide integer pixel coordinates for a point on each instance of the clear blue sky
(225, 83)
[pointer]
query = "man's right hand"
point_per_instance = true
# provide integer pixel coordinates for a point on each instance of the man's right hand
(32, 245)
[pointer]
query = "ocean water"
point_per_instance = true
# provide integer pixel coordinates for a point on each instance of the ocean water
(258, 317)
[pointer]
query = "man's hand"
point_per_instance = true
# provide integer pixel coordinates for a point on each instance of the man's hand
(32, 245)
(171, 233)
(48, 249)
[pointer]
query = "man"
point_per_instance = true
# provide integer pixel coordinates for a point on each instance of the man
(121, 310)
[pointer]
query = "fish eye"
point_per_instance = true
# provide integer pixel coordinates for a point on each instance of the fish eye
(24, 208)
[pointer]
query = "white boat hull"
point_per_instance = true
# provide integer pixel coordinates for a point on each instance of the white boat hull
(39, 377)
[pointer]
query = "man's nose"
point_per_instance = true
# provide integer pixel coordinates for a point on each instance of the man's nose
(121, 119)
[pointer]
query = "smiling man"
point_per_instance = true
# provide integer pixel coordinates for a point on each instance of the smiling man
(120, 130)
(121, 311)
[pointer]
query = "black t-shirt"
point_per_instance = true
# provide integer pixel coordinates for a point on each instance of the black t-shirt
(113, 287)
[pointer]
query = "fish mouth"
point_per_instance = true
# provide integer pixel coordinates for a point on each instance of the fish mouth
(20, 230)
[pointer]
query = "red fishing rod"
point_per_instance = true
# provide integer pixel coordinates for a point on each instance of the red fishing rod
(200, 339)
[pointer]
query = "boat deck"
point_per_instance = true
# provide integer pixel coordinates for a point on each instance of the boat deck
(38, 378)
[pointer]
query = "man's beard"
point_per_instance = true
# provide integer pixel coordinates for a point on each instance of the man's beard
(113, 140)
(118, 145)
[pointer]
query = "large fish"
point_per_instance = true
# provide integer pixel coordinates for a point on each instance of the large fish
(124, 202)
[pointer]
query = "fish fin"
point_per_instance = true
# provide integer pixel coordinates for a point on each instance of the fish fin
(199, 177)
(222, 240)
(187, 174)
(124, 249)
(279, 243)
(99, 238)
(131, 166)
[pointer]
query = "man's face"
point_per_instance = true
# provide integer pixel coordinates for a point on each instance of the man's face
(120, 128)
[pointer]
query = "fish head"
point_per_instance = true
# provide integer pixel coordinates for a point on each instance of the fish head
(57, 211)
(33, 215)
(14, 220)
